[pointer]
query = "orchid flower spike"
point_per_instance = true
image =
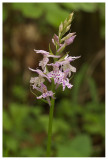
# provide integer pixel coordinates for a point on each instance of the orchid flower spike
(58, 71)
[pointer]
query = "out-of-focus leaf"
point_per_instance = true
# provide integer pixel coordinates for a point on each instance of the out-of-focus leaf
(95, 107)
(64, 107)
(54, 14)
(94, 123)
(87, 7)
(12, 143)
(77, 82)
(29, 10)
(18, 113)
(59, 138)
(5, 152)
(19, 92)
(72, 6)
(93, 89)
(7, 123)
(80, 146)
(32, 123)
(43, 119)
(59, 125)
(32, 152)
(36, 110)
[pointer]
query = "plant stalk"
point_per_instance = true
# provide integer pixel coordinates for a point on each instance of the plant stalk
(50, 127)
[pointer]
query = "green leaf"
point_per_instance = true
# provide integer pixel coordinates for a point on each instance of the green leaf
(50, 49)
(29, 10)
(93, 89)
(72, 6)
(80, 146)
(7, 123)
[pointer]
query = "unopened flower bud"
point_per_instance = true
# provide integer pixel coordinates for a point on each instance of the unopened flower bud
(68, 27)
(68, 36)
(61, 27)
(71, 16)
(56, 38)
(65, 23)
(70, 40)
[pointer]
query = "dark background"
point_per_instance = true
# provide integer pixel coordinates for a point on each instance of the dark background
(79, 115)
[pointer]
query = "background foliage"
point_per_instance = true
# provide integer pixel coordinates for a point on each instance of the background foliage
(79, 116)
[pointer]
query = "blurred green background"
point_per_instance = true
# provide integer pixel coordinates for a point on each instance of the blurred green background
(79, 115)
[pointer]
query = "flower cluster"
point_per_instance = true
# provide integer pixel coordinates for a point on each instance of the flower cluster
(61, 67)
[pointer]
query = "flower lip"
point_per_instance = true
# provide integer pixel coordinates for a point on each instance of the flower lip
(54, 64)
(40, 73)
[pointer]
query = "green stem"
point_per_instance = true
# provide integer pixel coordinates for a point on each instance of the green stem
(50, 126)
